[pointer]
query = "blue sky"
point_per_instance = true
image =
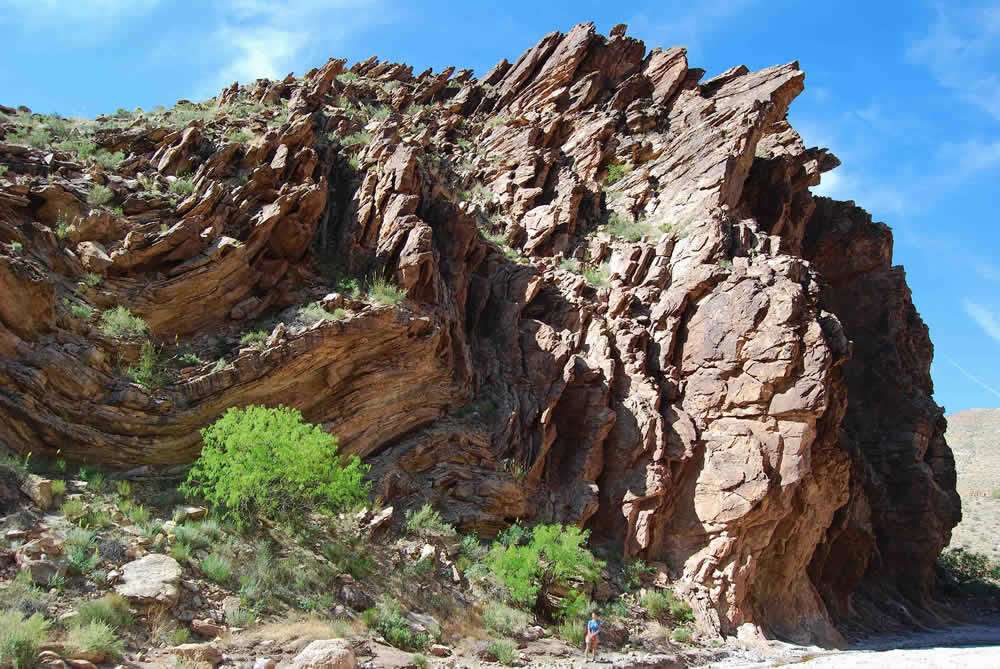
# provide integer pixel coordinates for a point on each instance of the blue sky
(906, 94)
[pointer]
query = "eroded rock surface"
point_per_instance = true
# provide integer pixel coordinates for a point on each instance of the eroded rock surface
(625, 310)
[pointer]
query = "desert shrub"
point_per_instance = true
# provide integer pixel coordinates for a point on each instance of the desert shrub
(191, 359)
(120, 321)
(240, 136)
(92, 279)
(269, 462)
(386, 293)
(616, 172)
(633, 572)
(388, 620)
(183, 186)
(80, 537)
(107, 159)
(554, 555)
(680, 635)
(355, 139)
(96, 636)
(349, 286)
(504, 620)
(21, 638)
(111, 550)
(191, 534)
(658, 604)
(503, 651)
(314, 313)
(3, 170)
(83, 559)
(111, 609)
(419, 660)
(597, 276)
(569, 265)
(16, 247)
(622, 227)
(99, 195)
(80, 311)
(123, 488)
(71, 508)
(255, 339)
(969, 567)
(427, 521)
(217, 568)
(58, 487)
(138, 514)
(22, 595)
(147, 371)
(573, 631)
(347, 77)
(239, 617)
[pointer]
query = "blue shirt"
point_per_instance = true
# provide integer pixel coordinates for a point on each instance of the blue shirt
(593, 626)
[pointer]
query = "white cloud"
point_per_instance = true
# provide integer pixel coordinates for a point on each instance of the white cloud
(962, 52)
(985, 317)
(259, 38)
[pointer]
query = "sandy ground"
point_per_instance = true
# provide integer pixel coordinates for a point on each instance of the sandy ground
(963, 647)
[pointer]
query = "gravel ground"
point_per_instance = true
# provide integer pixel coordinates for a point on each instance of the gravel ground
(963, 647)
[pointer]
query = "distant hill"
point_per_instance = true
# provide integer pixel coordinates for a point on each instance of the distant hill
(974, 437)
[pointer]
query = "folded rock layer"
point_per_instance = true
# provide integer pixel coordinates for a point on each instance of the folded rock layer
(625, 310)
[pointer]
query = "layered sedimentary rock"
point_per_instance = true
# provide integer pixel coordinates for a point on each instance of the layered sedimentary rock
(625, 310)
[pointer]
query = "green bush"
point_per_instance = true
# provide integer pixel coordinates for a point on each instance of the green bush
(21, 638)
(680, 635)
(240, 136)
(633, 572)
(99, 195)
(80, 537)
(504, 620)
(502, 651)
(427, 521)
(617, 172)
(255, 339)
(16, 247)
(573, 631)
(123, 488)
(355, 139)
(388, 620)
(314, 313)
(191, 359)
(120, 321)
(629, 230)
(658, 604)
(21, 594)
(269, 462)
(419, 660)
(597, 276)
(81, 311)
(138, 515)
(58, 487)
(969, 567)
(3, 170)
(181, 551)
(183, 186)
(239, 617)
(555, 555)
(147, 371)
(96, 636)
(112, 610)
(107, 160)
(217, 568)
(92, 279)
(386, 293)
(82, 559)
(71, 508)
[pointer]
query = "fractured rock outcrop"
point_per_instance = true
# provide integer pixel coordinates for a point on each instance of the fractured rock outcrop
(625, 310)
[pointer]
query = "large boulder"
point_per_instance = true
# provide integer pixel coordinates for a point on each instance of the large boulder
(151, 580)
(326, 654)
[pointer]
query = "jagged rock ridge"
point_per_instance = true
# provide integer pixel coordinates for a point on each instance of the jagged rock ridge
(625, 310)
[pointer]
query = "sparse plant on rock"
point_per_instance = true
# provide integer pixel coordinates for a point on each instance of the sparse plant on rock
(99, 195)
(119, 321)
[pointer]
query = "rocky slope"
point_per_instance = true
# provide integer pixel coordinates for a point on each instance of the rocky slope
(624, 310)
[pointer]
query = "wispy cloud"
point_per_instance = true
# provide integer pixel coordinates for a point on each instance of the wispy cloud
(985, 317)
(685, 27)
(972, 377)
(961, 50)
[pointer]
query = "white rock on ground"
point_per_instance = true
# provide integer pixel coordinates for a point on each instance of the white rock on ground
(328, 654)
(153, 578)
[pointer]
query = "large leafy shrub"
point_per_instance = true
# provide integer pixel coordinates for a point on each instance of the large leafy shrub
(555, 555)
(262, 461)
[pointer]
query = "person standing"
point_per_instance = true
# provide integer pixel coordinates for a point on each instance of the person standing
(593, 630)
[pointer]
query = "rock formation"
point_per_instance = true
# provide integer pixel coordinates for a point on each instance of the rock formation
(625, 310)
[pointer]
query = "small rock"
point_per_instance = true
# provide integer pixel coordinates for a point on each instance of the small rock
(81, 664)
(352, 595)
(198, 652)
(95, 656)
(48, 656)
(380, 520)
(207, 628)
(427, 553)
(437, 650)
(38, 490)
(264, 663)
(328, 654)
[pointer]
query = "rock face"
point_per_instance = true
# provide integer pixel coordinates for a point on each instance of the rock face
(329, 654)
(625, 310)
